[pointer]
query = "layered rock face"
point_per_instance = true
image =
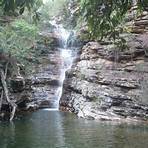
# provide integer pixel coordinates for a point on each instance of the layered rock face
(38, 89)
(44, 81)
(108, 85)
(141, 24)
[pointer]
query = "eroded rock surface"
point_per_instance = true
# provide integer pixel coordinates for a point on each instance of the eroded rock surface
(108, 85)
(44, 81)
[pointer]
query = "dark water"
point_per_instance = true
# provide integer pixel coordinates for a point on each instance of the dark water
(53, 129)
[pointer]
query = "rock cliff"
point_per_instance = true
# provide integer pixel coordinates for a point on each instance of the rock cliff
(108, 84)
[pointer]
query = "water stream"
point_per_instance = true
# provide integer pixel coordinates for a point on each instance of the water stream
(67, 54)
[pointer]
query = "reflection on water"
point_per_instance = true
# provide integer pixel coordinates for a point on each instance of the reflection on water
(54, 129)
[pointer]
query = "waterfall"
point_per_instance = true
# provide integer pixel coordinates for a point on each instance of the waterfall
(67, 54)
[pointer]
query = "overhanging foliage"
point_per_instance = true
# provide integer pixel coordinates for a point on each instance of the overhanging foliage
(10, 6)
(103, 16)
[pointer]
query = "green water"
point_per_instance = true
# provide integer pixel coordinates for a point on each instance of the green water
(53, 129)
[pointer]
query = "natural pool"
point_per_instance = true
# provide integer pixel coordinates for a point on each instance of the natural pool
(54, 129)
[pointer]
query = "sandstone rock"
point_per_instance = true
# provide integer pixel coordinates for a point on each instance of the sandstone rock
(98, 87)
(141, 22)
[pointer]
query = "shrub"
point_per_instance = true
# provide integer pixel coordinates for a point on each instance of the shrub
(17, 40)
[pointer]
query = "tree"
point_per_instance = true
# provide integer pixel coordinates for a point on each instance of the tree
(13, 6)
(104, 16)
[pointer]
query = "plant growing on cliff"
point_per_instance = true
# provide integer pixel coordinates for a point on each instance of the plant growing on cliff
(18, 40)
(18, 6)
(103, 17)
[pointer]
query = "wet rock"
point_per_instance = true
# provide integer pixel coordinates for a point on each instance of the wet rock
(17, 84)
(44, 81)
(140, 23)
(99, 87)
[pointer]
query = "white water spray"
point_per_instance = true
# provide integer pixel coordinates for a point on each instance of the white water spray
(67, 55)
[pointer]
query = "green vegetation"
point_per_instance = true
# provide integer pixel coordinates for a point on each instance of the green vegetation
(19, 34)
(52, 8)
(105, 18)
(18, 6)
(24, 28)
(18, 39)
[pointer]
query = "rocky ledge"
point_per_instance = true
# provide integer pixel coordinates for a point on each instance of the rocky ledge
(108, 85)
(38, 88)
(42, 84)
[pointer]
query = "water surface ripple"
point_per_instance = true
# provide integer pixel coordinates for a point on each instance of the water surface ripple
(54, 129)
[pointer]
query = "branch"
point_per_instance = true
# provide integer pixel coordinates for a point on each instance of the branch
(6, 70)
(2, 93)
(4, 84)
(1, 99)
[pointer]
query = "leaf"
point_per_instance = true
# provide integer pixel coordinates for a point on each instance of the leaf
(21, 10)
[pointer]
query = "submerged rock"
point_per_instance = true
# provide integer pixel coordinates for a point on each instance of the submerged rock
(101, 87)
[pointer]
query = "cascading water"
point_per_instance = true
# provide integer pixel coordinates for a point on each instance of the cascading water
(67, 55)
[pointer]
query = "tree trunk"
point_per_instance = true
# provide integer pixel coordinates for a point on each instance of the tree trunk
(1, 99)
(6, 92)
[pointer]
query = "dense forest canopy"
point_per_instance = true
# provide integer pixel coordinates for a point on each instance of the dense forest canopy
(10, 6)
